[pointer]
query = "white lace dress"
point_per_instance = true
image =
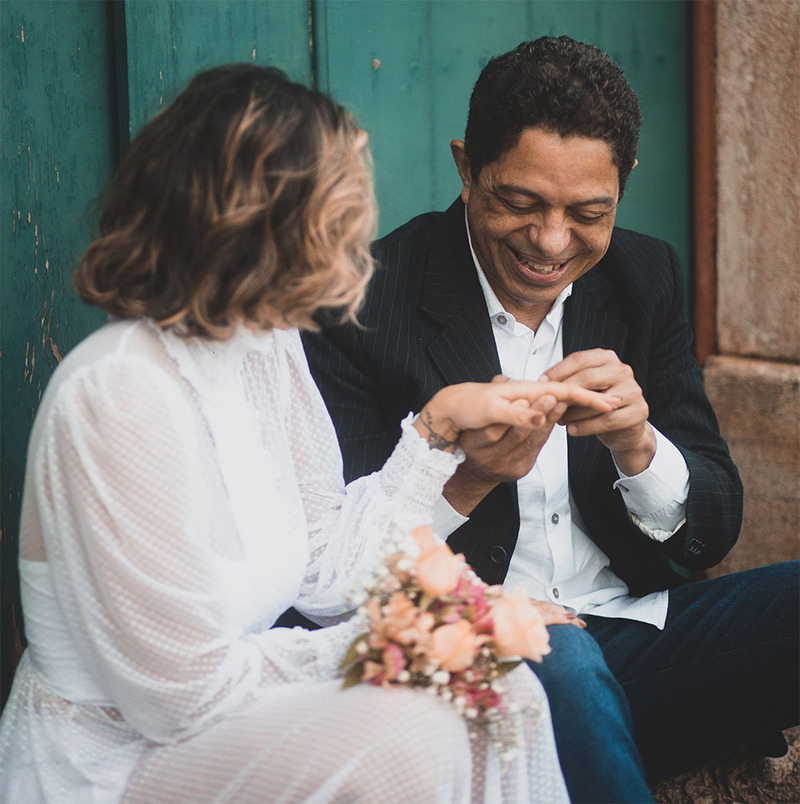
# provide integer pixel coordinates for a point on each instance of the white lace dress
(180, 494)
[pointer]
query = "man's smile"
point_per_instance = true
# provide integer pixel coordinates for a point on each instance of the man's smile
(548, 270)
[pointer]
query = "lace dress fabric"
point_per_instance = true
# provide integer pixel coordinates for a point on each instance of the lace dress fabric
(180, 494)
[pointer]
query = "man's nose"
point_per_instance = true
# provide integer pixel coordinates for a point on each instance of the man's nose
(551, 233)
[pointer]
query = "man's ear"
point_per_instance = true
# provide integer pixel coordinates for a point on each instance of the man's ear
(635, 162)
(462, 164)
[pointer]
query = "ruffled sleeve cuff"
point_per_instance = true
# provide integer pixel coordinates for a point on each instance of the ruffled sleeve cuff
(415, 473)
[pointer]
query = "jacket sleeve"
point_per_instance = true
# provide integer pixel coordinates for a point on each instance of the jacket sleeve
(680, 409)
(360, 396)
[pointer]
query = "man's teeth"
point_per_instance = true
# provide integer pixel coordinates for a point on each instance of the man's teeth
(540, 269)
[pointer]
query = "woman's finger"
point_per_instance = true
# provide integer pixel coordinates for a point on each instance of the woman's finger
(572, 394)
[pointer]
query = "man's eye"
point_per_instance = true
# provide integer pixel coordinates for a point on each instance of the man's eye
(519, 209)
(590, 219)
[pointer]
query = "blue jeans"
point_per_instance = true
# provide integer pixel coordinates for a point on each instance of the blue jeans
(632, 704)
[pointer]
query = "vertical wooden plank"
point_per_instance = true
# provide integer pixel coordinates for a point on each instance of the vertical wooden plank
(57, 152)
(375, 59)
(170, 41)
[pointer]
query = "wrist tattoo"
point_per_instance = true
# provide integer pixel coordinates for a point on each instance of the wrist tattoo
(434, 440)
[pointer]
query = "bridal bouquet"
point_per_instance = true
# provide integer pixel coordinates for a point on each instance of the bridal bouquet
(433, 624)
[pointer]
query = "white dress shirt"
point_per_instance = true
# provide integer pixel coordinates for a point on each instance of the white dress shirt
(554, 558)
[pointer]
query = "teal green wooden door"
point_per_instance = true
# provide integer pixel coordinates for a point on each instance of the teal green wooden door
(80, 77)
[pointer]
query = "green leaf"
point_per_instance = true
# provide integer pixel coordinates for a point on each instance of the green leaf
(353, 676)
(352, 654)
(507, 667)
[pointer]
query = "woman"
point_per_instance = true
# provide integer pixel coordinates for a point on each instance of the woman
(184, 488)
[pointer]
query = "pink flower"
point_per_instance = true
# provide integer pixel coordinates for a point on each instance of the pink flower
(519, 628)
(394, 660)
(453, 646)
(438, 570)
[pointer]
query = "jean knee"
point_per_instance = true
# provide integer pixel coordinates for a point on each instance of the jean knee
(575, 658)
(578, 681)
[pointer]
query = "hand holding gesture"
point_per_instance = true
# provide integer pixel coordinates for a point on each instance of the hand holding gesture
(501, 426)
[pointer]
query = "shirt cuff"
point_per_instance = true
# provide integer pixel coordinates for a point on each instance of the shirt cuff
(445, 518)
(656, 498)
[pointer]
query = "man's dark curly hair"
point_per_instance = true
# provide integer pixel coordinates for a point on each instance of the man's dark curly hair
(559, 85)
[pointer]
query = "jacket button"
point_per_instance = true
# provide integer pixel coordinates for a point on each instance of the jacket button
(695, 546)
(498, 554)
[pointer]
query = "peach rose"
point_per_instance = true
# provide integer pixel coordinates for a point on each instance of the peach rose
(400, 610)
(423, 536)
(438, 570)
(453, 646)
(519, 628)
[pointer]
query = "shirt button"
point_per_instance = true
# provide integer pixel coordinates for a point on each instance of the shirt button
(498, 554)
(502, 320)
(555, 592)
(554, 519)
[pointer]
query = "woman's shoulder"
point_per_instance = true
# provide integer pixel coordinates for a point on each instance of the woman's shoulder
(112, 343)
(118, 367)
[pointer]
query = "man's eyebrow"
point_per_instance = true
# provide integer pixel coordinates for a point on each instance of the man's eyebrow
(605, 200)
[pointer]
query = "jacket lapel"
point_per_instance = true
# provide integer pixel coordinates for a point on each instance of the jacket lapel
(464, 350)
(590, 322)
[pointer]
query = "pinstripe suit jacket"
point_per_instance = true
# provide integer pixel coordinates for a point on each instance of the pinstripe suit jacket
(426, 325)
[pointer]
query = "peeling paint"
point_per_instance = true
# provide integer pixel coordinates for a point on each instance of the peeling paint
(254, 55)
(22, 33)
(58, 177)
(54, 349)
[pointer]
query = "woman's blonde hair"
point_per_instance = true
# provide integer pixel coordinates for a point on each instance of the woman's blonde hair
(248, 200)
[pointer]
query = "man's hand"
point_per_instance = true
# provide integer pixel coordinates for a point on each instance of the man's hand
(498, 454)
(625, 431)
(524, 411)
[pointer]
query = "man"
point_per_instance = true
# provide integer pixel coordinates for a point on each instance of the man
(525, 276)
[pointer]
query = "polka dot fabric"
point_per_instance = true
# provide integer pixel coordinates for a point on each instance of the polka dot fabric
(180, 494)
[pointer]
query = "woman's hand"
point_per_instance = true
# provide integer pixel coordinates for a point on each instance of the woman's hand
(513, 403)
(557, 615)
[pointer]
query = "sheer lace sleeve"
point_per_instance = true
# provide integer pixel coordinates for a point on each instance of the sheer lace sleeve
(127, 497)
(347, 527)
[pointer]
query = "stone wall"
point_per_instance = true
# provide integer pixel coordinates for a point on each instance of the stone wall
(754, 381)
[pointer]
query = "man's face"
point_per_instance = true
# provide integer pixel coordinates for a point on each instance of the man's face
(540, 216)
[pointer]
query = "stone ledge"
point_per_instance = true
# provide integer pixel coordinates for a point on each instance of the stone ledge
(739, 781)
(758, 406)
